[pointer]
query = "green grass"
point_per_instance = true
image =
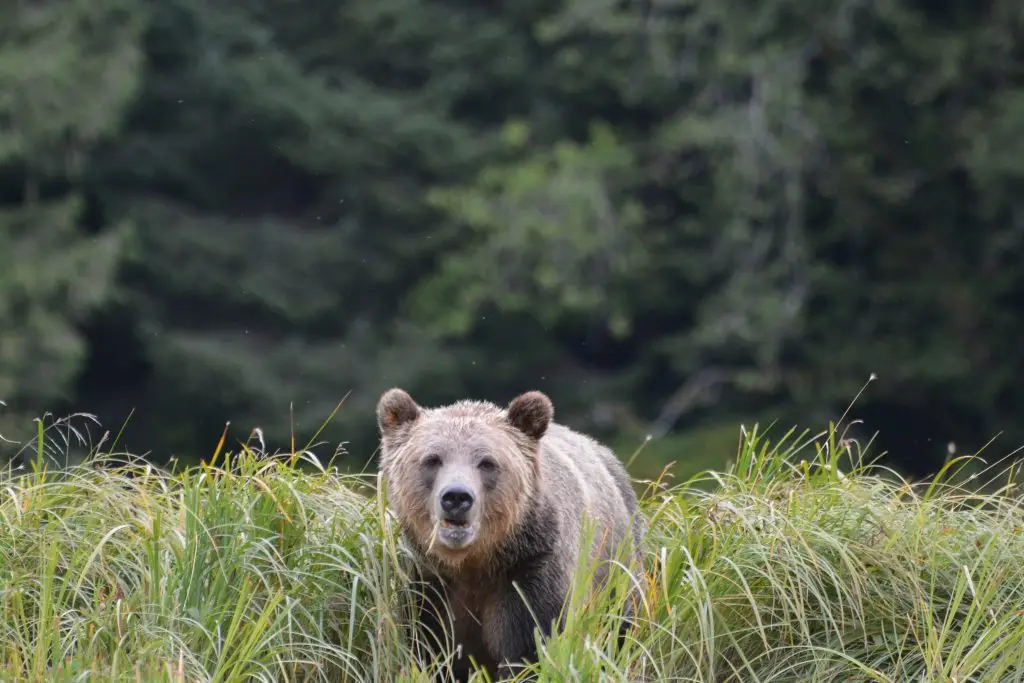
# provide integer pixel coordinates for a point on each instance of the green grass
(799, 563)
(678, 456)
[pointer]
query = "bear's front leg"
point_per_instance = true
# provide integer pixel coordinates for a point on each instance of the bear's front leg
(432, 629)
(510, 622)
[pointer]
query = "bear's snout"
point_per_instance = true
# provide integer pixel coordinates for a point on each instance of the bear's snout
(456, 501)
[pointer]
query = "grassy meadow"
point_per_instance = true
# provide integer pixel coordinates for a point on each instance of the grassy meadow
(797, 562)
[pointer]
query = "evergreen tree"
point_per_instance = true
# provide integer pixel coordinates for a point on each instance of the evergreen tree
(67, 71)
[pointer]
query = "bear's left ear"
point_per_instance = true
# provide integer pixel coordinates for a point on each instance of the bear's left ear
(531, 413)
(395, 409)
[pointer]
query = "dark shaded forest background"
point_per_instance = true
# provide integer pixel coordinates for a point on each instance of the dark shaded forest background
(674, 216)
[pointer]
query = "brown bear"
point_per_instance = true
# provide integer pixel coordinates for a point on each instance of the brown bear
(490, 500)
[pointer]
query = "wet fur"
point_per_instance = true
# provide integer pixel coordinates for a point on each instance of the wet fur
(530, 533)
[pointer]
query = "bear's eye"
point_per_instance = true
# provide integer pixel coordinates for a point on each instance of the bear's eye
(487, 465)
(432, 461)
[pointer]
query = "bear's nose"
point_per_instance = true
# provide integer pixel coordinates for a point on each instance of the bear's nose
(456, 499)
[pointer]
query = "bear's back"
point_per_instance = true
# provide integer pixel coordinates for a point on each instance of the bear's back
(584, 479)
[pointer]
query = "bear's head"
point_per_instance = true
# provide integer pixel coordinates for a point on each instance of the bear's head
(460, 477)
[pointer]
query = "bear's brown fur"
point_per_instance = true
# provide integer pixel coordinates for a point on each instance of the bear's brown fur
(486, 497)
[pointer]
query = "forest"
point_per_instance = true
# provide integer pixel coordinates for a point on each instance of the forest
(673, 216)
(227, 226)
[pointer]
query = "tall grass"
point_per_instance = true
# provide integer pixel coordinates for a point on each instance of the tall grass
(801, 563)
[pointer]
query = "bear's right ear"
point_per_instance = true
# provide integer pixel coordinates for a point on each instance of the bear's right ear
(395, 409)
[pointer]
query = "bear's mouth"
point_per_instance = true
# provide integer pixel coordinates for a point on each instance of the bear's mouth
(455, 534)
(454, 523)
